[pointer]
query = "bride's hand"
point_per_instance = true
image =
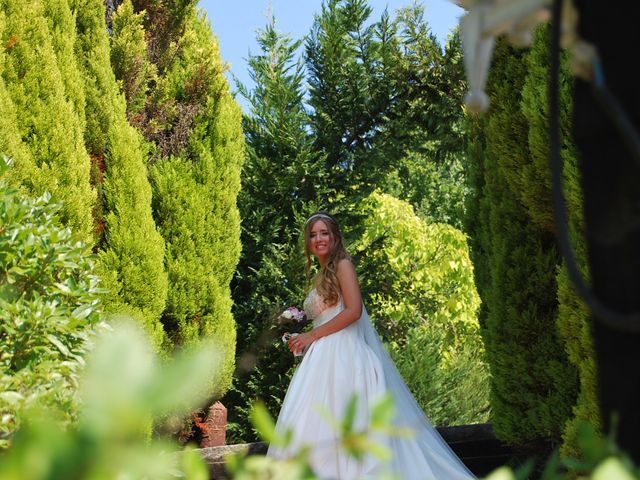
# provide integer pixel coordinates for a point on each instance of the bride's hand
(300, 342)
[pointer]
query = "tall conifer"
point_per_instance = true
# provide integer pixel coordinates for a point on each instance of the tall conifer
(43, 85)
(573, 319)
(194, 125)
(131, 249)
(533, 386)
(350, 93)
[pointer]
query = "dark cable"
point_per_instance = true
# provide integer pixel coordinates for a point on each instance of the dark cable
(626, 322)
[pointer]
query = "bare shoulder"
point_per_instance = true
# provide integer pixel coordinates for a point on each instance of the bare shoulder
(346, 265)
(346, 270)
(349, 285)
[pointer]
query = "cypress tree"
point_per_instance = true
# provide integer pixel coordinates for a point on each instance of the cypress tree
(10, 138)
(40, 76)
(573, 319)
(129, 59)
(131, 259)
(533, 386)
(195, 125)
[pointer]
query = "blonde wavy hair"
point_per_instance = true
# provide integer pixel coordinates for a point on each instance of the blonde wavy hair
(326, 280)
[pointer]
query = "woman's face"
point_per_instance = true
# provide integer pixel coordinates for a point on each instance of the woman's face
(320, 240)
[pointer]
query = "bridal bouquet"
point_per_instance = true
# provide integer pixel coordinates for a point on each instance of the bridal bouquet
(292, 321)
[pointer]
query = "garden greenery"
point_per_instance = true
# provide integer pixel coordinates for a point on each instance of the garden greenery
(418, 283)
(49, 299)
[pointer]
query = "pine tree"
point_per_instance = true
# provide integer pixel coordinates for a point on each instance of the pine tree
(282, 180)
(350, 92)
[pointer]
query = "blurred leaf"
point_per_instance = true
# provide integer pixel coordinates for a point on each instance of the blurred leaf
(502, 473)
(11, 397)
(350, 414)
(193, 466)
(263, 422)
(59, 345)
(612, 469)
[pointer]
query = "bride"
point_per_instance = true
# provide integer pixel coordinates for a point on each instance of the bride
(343, 357)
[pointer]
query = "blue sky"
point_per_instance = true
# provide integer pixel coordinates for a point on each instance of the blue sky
(235, 23)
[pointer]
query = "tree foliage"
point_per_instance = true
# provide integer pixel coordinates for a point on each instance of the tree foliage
(43, 96)
(131, 258)
(347, 58)
(129, 58)
(573, 320)
(418, 284)
(415, 273)
(516, 261)
(422, 136)
(168, 65)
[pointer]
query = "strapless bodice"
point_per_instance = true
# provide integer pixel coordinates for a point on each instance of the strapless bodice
(318, 311)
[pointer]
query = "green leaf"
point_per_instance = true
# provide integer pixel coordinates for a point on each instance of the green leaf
(383, 411)
(83, 311)
(12, 398)
(350, 414)
(59, 345)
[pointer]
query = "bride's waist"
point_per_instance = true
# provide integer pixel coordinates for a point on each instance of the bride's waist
(325, 316)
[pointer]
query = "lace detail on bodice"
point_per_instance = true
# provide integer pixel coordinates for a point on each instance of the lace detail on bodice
(314, 306)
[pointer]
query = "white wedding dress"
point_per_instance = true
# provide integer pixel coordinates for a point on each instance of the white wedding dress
(354, 361)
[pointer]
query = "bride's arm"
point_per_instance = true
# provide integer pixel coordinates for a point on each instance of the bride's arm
(352, 300)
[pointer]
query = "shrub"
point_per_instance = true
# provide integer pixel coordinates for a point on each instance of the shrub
(48, 300)
(122, 386)
(450, 384)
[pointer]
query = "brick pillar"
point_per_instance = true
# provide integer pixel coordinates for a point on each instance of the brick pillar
(216, 426)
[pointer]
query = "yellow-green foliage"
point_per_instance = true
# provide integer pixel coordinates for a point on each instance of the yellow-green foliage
(131, 258)
(419, 287)
(43, 95)
(129, 57)
(195, 192)
(416, 273)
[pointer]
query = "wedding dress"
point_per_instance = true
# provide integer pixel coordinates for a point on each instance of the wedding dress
(354, 361)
